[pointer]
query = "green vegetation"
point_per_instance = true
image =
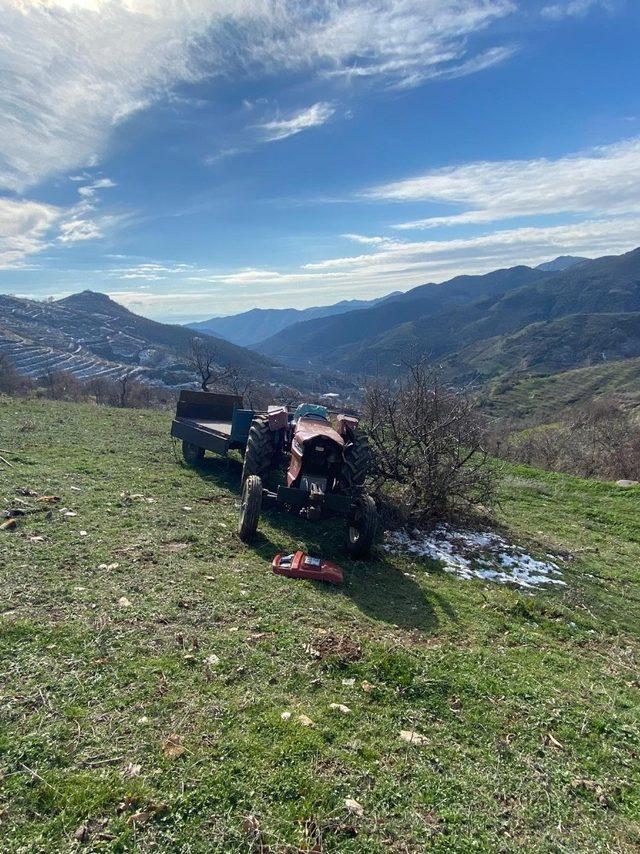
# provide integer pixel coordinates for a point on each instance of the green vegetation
(547, 396)
(145, 666)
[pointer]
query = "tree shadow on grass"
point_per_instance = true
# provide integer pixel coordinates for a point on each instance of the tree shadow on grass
(377, 587)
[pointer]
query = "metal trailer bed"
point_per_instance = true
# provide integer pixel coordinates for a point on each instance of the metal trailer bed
(211, 422)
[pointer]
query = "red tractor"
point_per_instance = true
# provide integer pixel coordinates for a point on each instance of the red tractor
(326, 467)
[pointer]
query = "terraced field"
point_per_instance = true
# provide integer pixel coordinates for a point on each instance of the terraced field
(42, 337)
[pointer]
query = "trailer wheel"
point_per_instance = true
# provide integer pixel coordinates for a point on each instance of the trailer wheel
(260, 449)
(250, 508)
(355, 466)
(193, 455)
(361, 528)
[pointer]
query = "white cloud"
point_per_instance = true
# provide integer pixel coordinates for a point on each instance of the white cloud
(528, 245)
(313, 116)
(251, 277)
(367, 240)
(480, 62)
(151, 272)
(73, 69)
(89, 190)
(25, 228)
(75, 230)
(574, 8)
(605, 179)
(82, 222)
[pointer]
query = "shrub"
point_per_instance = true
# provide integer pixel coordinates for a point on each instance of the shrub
(62, 385)
(429, 462)
(12, 382)
(598, 441)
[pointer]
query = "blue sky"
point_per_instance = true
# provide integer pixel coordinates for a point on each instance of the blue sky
(203, 157)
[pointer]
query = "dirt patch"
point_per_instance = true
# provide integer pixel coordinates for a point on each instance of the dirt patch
(328, 645)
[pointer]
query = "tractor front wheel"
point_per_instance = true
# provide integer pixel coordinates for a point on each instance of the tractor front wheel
(193, 455)
(250, 507)
(361, 529)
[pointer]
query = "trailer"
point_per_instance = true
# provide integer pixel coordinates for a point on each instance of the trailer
(210, 422)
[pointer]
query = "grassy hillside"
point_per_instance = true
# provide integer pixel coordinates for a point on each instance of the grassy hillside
(546, 396)
(146, 658)
(550, 346)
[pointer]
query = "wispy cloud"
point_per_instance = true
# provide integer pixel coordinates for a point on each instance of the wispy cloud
(82, 221)
(28, 227)
(74, 69)
(89, 190)
(575, 8)
(311, 117)
(369, 240)
(605, 179)
(151, 271)
(486, 251)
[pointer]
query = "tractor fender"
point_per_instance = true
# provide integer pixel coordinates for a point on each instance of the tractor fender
(347, 425)
(278, 418)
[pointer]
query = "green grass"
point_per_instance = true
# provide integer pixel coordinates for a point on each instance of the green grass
(529, 702)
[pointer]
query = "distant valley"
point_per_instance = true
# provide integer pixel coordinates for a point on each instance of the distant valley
(251, 327)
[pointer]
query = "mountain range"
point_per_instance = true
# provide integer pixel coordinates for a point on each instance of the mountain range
(251, 327)
(494, 330)
(480, 327)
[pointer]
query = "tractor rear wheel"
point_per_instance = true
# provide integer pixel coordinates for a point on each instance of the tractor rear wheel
(260, 449)
(193, 455)
(362, 526)
(355, 466)
(250, 507)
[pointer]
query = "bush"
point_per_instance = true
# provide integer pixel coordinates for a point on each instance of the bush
(62, 385)
(598, 441)
(11, 382)
(429, 462)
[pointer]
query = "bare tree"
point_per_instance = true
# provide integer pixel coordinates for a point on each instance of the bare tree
(202, 358)
(124, 390)
(62, 385)
(103, 390)
(12, 382)
(240, 382)
(429, 461)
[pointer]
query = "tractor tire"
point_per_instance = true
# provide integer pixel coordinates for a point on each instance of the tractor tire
(260, 449)
(362, 527)
(193, 455)
(250, 507)
(355, 466)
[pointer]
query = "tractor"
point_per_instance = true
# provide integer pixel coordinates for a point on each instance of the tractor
(324, 469)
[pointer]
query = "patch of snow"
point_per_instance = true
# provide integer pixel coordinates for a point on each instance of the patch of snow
(476, 554)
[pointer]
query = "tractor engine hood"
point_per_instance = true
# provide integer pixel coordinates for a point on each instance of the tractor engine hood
(311, 428)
